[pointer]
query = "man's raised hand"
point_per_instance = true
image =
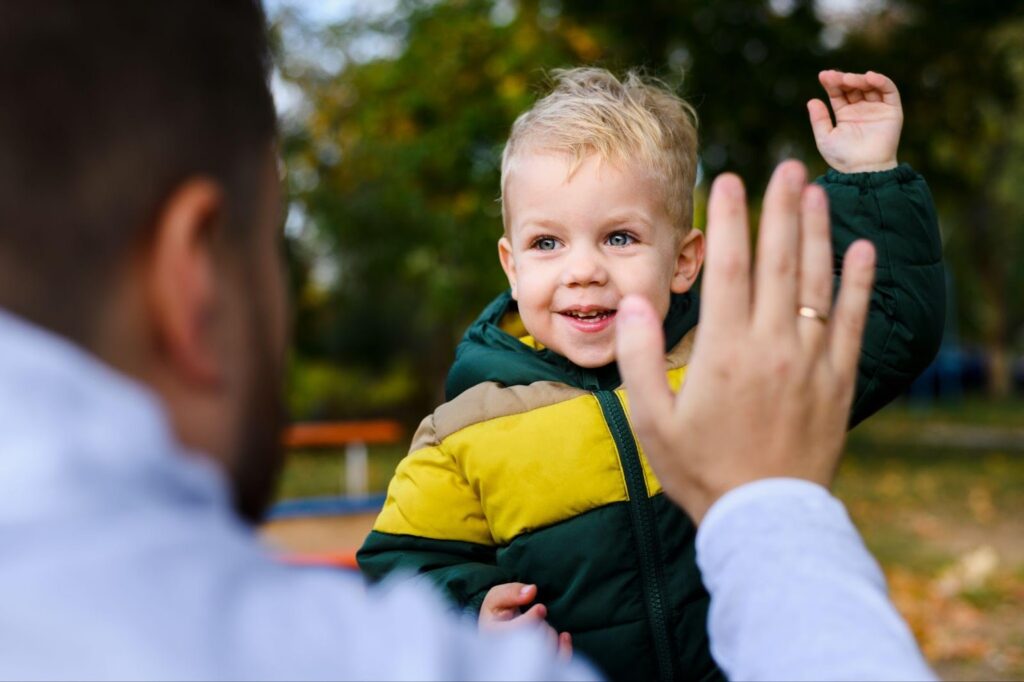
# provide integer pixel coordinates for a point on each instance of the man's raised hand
(768, 388)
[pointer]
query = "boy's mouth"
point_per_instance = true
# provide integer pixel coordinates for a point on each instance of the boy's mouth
(589, 319)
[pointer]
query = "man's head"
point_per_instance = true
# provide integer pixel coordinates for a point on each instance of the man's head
(597, 202)
(139, 207)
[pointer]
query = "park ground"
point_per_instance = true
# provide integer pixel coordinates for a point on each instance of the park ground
(938, 494)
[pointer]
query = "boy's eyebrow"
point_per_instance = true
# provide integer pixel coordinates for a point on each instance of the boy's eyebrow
(543, 223)
(626, 216)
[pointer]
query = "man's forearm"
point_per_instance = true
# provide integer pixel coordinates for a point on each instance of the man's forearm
(794, 592)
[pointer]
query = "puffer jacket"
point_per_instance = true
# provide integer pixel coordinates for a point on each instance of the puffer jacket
(531, 472)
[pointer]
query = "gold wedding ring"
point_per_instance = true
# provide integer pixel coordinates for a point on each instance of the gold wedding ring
(812, 314)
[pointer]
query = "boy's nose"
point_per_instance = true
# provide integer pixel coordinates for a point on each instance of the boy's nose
(584, 270)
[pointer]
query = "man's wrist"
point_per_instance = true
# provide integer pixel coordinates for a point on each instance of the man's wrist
(757, 492)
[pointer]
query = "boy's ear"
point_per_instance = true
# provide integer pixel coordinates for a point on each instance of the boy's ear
(508, 263)
(688, 261)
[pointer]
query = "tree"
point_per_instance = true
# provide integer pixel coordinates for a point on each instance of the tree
(394, 166)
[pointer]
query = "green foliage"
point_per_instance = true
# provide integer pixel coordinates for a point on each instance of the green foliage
(320, 390)
(394, 159)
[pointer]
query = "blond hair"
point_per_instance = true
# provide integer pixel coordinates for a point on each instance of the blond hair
(635, 122)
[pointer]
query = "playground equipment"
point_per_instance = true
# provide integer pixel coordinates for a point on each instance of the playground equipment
(354, 438)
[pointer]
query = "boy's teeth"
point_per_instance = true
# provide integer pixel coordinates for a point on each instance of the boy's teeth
(588, 316)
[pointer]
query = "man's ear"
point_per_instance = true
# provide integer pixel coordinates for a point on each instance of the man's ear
(508, 263)
(182, 280)
(688, 261)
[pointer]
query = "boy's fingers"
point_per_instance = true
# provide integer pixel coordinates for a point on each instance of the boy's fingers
(855, 81)
(778, 248)
(536, 613)
(815, 264)
(725, 294)
(885, 87)
(832, 81)
(565, 646)
(640, 349)
(511, 595)
(850, 312)
(821, 121)
(854, 95)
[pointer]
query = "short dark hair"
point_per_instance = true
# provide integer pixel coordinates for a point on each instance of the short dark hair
(105, 107)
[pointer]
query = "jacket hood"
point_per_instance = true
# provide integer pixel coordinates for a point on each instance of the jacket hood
(491, 350)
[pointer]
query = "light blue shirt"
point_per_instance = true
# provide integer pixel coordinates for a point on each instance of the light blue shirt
(795, 594)
(120, 556)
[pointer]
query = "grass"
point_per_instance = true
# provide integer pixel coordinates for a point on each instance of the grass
(939, 498)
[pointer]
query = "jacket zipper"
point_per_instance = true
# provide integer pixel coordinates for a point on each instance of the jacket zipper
(641, 511)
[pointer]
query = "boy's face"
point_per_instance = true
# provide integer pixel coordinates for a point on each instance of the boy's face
(575, 246)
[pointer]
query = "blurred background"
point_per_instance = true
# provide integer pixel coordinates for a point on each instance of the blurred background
(394, 113)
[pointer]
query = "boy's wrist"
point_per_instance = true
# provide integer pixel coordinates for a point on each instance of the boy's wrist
(866, 167)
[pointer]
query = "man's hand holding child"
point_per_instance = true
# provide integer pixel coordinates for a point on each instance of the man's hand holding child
(502, 609)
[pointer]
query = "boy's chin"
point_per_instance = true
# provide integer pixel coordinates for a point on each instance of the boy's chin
(591, 358)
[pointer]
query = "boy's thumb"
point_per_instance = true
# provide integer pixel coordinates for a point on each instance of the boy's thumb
(513, 594)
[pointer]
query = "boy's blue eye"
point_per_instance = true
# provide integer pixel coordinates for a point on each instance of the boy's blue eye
(620, 239)
(545, 244)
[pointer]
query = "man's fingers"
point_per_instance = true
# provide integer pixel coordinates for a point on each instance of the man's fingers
(815, 264)
(821, 121)
(725, 294)
(850, 313)
(778, 249)
(640, 349)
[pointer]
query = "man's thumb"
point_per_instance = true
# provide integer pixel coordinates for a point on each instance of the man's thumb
(640, 349)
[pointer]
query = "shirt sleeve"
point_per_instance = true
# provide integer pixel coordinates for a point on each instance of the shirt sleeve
(795, 594)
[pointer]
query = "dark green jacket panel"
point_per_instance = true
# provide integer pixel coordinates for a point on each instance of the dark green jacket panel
(464, 571)
(588, 575)
(621, 652)
(585, 569)
(895, 211)
(689, 600)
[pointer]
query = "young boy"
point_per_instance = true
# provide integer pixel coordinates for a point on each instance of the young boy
(527, 486)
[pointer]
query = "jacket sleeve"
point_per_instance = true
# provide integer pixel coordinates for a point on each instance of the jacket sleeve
(894, 210)
(432, 525)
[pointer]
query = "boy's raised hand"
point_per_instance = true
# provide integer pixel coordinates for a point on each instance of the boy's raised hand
(502, 609)
(869, 118)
